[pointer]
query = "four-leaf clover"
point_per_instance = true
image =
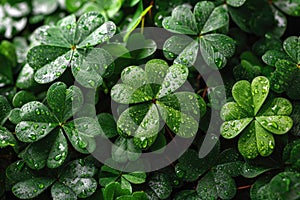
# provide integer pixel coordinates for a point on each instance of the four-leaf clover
(150, 94)
(46, 127)
(256, 123)
(68, 44)
(202, 25)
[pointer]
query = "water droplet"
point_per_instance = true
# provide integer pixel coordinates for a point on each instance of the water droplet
(180, 173)
(91, 83)
(57, 73)
(82, 144)
(58, 157)
(68, 26)
(41, 186)
(32, 136)
(37, 111)
(218, 62)
(36, 126)
(35, 190)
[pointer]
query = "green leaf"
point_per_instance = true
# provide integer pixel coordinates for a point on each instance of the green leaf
(108, 175)
(235, 3)
(160, 184)
(65, 44)
(107, 124)
(290, 7)
(139, 121)
(26, 77)
(276, 124)
(174, 45)
(8, 50)
(5, 109)
(37, 122)
(251, 171)
(260, 89)
(22, 97)
(231, 111)
(135, 177)
(58, 152)
(242, 94)
(114, 190)
(285, 185)
(6, 138)
(18, 171)
(61, 191)
(216, 183)
(272, 56)
(140, 47)
(217, 19)
(283, 75)
(186, 194)
(124, 150)
(190, 167)
(174, 78)
(81, 143)
(291, 45)
(231, 129)
(182, 21)
(187, 56)
(247, 143)
(202, 12)
(221, 43)
(31, 188)
(78, 177)
(64, 102)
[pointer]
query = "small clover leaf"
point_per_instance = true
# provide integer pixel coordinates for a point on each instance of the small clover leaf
(201, 24)
(5, 109)
(253, 119)
(108, 175)
(6, 138)
(152, 90)
(286, 76)
(67, 44)
(49, 126)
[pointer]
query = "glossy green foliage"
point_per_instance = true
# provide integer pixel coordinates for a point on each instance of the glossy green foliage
(49, 126)
(75, 181)
(252, 119)
(206, 43)
(68, 45)
(285, 78)
(138, 100)
(152, 90)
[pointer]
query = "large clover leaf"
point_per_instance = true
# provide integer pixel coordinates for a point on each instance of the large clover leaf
(67, 44)
(47, 127)
(201, 24)
(150, 92)
(256, 123)
(287, 74)
(74, 181)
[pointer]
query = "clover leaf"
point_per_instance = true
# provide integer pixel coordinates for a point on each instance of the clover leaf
(108, 175)
(49, 126)
(253, 119)
(286, 76)
(6, 138)
(75, 181)
(282, 186)
(202, 25)
(68, 44)
(150, 92)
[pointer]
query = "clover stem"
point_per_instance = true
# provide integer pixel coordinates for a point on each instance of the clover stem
(244, 187)
(73, 47)
(154, 101)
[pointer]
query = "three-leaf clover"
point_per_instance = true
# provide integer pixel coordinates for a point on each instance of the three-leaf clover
(150, 94)
(287, 74)
(253, 120)
(46, 127)
(202, 24)
(68, 44)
